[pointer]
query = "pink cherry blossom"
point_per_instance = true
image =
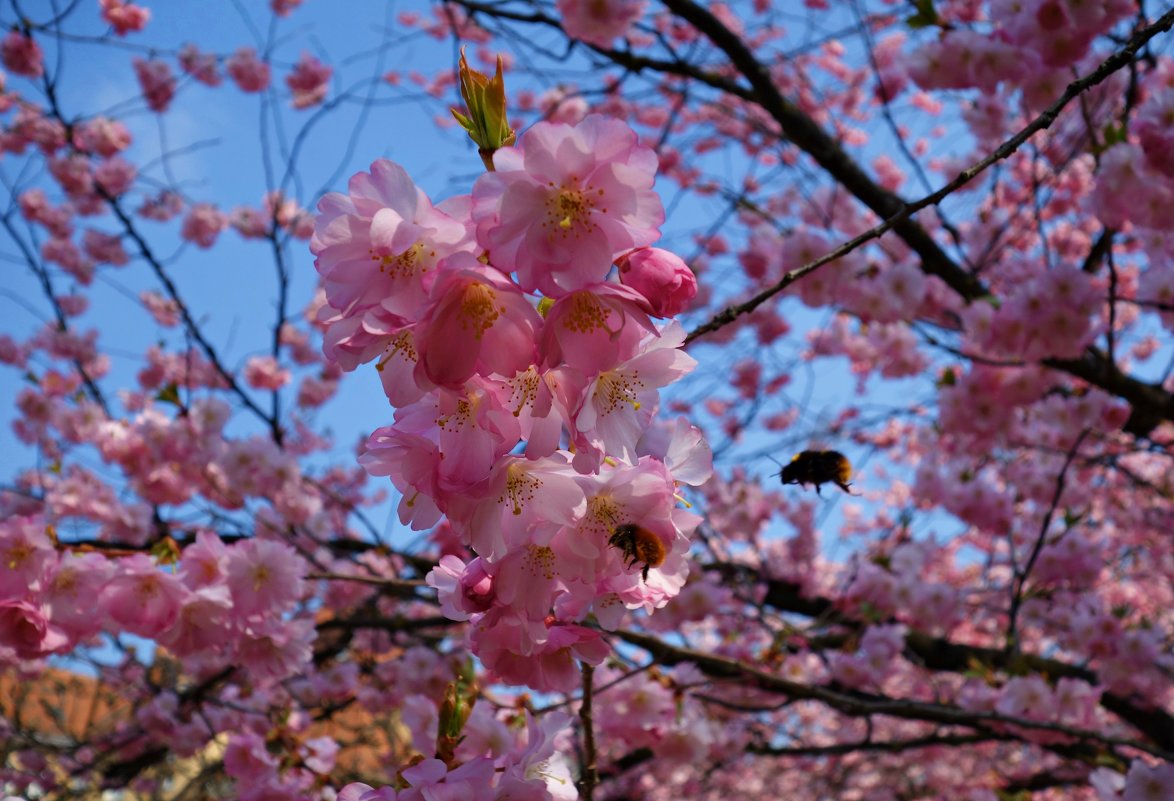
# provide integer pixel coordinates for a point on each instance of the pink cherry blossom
(201, 623)
(157, 83)
(463, 590)
(380, 244)
(26, 553)
(595, 328)
(527, 580)
(432, 780)
(265, 372)
(114, 175)
(471, 427)
(250, 223)
(141, 598)
(246, 758)
(1107, 783)
(351, 340)
(35, 207)
(682, 448)
(548, 668)
(533, 396)
(276, 649)
(38, 128)
(526, 500)
(22, 55)
(201, 66)
(309, 81)
(102, 136)
(319, 754)
(537, 769)
(413, 463)
(616, 405)
(1146, 783)
(164, 310)
(564, 203)
(479, 322)
(264, 576)
(203, 224)
(70, 589)
(74, 174)
(103, 247)
(599, 22)
(248, 72)
(124, 17)
(161, 207)
(562, 104)
(357, 791)
(26, 629)
(283, 8)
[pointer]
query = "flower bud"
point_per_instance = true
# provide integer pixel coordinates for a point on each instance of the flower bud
(661, 277)
(487, 121)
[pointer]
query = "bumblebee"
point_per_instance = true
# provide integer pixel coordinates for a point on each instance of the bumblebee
(638, 544)
(818, 467)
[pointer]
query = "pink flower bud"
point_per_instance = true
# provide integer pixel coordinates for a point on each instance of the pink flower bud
(25, 629)
(661, 277)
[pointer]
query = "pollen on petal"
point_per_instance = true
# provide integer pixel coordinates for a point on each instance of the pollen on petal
(616, 389)
(520, 488)
(402, 265)
(539, 561)
(401, 343)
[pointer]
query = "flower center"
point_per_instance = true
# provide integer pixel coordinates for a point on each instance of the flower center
(401, 343)
(524, 390)
(603, 515)
(478, 310)
(616, 388)
(17, 553)
(260, 577)
(403, 265)
(586, 314)
(539, 561)
(460, 418)
(568, 212)
(520, 487)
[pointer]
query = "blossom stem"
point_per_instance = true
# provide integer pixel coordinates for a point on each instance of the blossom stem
(590, 775)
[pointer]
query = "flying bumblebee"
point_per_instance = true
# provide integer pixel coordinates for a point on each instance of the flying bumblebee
(638, 544)
(818, 467)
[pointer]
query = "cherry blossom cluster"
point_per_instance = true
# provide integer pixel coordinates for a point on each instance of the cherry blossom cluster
(1024, 40)
(525, 382)
(222, 605)
(89, 167)
(308, 82)
(501, 766)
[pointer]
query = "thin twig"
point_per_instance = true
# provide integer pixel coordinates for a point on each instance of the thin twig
(1021, 575)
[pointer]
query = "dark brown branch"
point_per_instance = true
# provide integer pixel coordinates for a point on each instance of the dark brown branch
(858, 704)
(887, 746)
(935, 653)
(590, 771)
